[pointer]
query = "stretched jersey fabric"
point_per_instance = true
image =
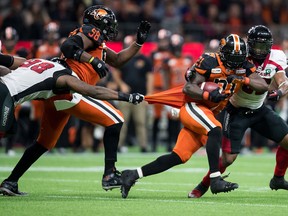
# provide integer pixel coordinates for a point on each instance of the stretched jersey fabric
(247, 97)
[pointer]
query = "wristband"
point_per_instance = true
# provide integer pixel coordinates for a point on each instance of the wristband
(205, 95)
(139, 45)
(123, 96)
(77, 54)
(91, 59)
(246, 81)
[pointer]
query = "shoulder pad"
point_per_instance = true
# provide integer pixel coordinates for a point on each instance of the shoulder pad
(92, 33)
(205, 63)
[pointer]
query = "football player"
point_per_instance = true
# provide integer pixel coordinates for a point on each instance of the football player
(230, 69)
(43, 79)
(85, 53)
(246, 109)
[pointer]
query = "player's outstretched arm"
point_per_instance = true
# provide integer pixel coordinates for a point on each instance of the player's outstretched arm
(96, 92)
(118, 59)
(11, 62)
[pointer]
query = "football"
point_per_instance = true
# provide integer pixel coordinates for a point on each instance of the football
(208, 86)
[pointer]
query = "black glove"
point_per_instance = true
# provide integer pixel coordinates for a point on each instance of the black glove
(134, 98)
(142, 32)
(235, 78)
(275, 95)
(189, 75)
(215, 96)
(100, 67)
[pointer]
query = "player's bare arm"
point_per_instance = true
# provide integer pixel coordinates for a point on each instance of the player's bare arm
(257, 83)
(96, 92)
(192, 88)
(118, 59)
(11, 62)
(4, 70)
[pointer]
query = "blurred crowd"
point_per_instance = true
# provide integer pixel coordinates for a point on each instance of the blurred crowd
(35, 28)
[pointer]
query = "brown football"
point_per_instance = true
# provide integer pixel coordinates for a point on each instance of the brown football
(208, 86)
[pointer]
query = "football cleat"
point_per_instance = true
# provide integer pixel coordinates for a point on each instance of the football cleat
(218, 185)
(129, 178)
(278, 183)
(10, 188)
(112, 180)
(198, 191)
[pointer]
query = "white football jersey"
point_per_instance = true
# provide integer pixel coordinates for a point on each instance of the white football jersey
(246, 97)
(34, 79)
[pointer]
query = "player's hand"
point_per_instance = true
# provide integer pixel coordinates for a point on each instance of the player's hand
(136, 98)
(100, 67)
(275, 95)
(189, 74)
(142, 32)
(215, 96)
(235, 78)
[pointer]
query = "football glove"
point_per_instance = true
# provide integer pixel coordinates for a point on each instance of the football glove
(215, 96)
(134, 98)
(142, 32)
(99, 66)
(235, 78)
(275, 95)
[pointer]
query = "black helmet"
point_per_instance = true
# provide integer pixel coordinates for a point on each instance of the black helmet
(102, 18)
(233, 51)
(259, 41)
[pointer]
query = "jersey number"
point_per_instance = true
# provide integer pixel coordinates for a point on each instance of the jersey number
(38, 65)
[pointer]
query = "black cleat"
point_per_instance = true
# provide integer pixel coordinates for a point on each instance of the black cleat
(218, 185)
(278, 183)
(10, 188)
(112, 180)
(198, 191)
(129, 178)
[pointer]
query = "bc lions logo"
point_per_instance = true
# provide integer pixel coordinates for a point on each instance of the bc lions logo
(98, 13)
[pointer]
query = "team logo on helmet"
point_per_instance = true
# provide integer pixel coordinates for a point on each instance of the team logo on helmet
(98, 13)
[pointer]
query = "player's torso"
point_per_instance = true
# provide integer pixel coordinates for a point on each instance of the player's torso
(177, 69)
(34, 79)
(248, 98)
(211, 67)
(85, 71)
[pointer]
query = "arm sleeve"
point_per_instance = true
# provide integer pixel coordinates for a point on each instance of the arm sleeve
(6, 60)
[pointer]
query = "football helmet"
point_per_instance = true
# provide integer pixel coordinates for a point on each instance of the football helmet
(176, 44)
(233, 51)
(163, 39)
(260, 41)
(102, 18)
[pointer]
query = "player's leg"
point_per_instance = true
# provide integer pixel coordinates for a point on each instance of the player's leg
(49, 134)
(235, 125)
(104, 114)
(276, 130)
(187, 143)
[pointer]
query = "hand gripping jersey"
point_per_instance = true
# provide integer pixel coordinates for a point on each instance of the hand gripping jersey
(210, 66)
(85, 71)
(34, 79)
(246, 97)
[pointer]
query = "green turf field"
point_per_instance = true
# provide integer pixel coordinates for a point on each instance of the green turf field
(70, 184)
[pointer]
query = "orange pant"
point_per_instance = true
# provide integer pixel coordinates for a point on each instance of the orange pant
(88, 109)
(197, 120)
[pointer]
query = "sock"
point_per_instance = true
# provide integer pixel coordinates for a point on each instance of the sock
(206, 179)
(161, 164)
(110, 140)
(281, 162)
(31, 154)
(213, 149)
